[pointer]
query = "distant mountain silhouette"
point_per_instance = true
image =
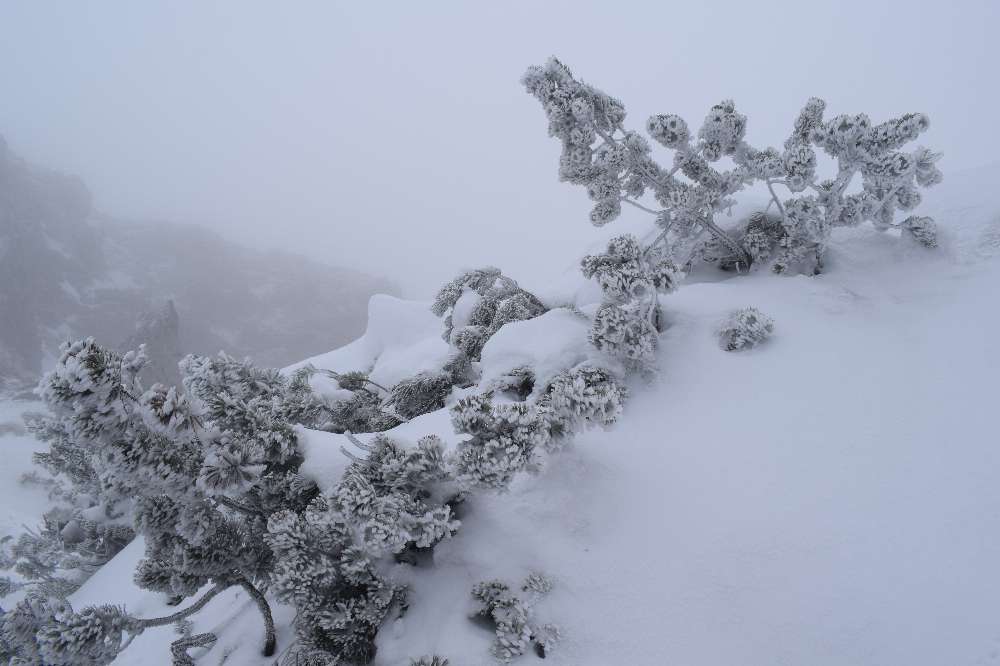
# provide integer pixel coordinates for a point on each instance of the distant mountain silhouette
(66, 272)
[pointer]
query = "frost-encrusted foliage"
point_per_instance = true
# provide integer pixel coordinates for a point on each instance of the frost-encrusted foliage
(434, 660)
(91, 637)
(367, 409)
(921, 229)
(579, 398)
(507, 438)
(66, 549)
(626, 272)
(242, 460)
(757, 235)
(374, 408)
(43, 630)
(19, 628)
(9, 585)
(474, 305)
(625, 331)
(616, 166)
(509, 615)
(88, 525)
(629, 320)
(796, 235)
(744, 329)
(75, 481)
(477, 303)
(512, 619)
(362, 412)
(197, 471)
(421, 393)
(80, 533)
(209, 477)
(503, 442)
(333, 560)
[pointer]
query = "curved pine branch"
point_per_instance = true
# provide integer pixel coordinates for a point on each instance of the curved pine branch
(270, 641)
(181, 614)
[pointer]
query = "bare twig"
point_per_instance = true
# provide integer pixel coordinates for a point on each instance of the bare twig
(774, 198)
(632, 202)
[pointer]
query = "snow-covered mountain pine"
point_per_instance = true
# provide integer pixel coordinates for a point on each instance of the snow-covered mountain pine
(631, 277)
(332, 562)
(365, 411)
(504, 439)
(617, 167)
(577, 399)
(209, 472)
(199, 473)
(422, 393)
(512, 617)
(79, 534)
(477, 303)
(745, 328)
(433, 660)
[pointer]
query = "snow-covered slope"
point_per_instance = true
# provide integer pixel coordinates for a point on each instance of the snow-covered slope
(19, 503)
(828, 498)
(831, 497)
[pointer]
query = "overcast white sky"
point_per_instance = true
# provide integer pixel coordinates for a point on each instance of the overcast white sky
(396, 137)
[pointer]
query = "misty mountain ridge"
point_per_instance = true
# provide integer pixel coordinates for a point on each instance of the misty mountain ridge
(67, 271)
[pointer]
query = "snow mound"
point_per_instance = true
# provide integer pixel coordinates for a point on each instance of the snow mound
(402, 339)
(20, 503)
(547, 344)
(324, 460)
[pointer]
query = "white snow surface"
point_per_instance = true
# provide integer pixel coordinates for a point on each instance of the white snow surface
(21, 504)
(830, 497)
(461, 313)
(402, 339)
(548, 344)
